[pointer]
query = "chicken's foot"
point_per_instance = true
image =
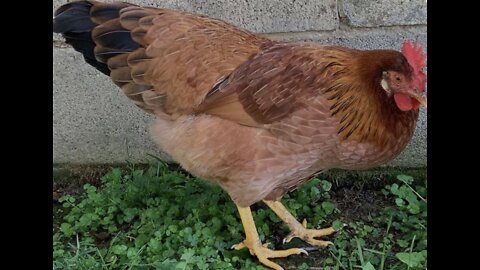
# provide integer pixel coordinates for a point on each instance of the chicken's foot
(298, 229)
(253, 243)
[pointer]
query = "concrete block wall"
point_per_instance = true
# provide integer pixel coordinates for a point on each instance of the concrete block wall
(95, 123)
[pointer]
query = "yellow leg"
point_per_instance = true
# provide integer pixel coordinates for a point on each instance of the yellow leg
(298, 229)
(253, 243)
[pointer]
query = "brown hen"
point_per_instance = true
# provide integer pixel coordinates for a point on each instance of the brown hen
(257, 117)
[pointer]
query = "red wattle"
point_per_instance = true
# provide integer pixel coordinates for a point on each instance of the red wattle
(404, 102)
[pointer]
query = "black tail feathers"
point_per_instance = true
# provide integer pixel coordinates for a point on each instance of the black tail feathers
(74, 22)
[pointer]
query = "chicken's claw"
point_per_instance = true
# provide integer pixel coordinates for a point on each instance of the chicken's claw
(309, 235)
(298, 229)
(264, 254)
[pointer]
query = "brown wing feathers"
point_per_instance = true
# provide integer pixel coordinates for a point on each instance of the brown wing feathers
(162, 59)
(270, 86)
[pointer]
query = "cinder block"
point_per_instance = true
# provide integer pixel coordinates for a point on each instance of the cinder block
(361, 13)
(256, 15)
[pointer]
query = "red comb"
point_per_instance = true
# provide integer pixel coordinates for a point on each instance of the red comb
(416, 58)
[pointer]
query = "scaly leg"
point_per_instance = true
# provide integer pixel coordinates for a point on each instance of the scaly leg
(253, 243)
(298, 229)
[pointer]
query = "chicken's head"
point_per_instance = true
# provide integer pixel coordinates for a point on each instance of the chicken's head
(404, 78)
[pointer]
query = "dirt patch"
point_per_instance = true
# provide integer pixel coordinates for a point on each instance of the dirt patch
(358, 204)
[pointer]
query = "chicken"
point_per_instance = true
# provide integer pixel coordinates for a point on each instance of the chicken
(255, 116)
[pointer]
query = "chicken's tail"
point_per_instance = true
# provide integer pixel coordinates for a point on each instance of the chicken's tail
(76, 21)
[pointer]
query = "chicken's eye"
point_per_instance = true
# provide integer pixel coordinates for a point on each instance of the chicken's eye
(398, 79)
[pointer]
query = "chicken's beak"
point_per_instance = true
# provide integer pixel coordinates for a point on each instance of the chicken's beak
(420, 97)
